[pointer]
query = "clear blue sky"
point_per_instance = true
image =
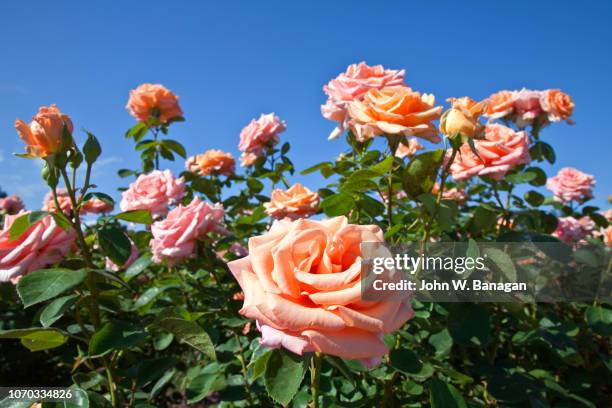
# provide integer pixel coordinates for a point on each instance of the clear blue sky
(232, 61)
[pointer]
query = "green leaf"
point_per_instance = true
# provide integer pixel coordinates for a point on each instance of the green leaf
(54, 310)
(420, 174)
(360, 181)
(114, 243)
(383, 167)
(201, 386)
(502, 261)
(61, 220)
(469, 323)
(444, 395)
(138, 267)
(441, 341)
(175, 147)
(600, 320)
(337, 204)
(23, 223)
(405, 360)
(259, 362)
(341, 366)
(283, 376)
(46, 284)
(138, 131)
(190, 333)
(36, 338)
(101, 196)
(472, 252)
(540, 176)
(317, 167)
(123, 173)
(534, 198)
(91, 148)
(115, 335)
(521, 177)
(136, 216)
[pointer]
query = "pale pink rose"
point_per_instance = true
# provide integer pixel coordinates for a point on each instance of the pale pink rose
(260, 134)
(42, 244)
(527, 107)
(408, 150)
(352, 85)
(248, 159)
(62, 198)
(297, 202)
(11, 205)
(111, 266)
(570, 185)
(455, 194)
(569, 230)
(154, 192)
(501, 149)
(175, 236)
(608, 215)
(302, 285)
(587, 224)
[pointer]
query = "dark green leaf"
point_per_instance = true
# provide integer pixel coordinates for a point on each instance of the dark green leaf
(54, 310)
(36, 338)
(337, 204)
(138, 267)
(283, 376)
(600, 320)
(175, 147)
(419, 176)
(405, 360)
(114, 243)
(136, 216)
(115, 335)
(190, 333)
(444, 395)
(45, 284)
(22, 223)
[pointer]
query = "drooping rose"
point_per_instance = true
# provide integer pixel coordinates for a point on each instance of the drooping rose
(11, 205)
(569, 230)
(463, 118)
(570, 185)
(396, 111)
(296, 202)
(111, 266)
(558, 105)
(454, 193)
(500, 104)
(175, 236)
(408, 150)
(352, 85)
(62, 198)
(211, 162)
(154, 192)
(42, 244)
(153, 100)
(501, 149)
(302, 285)
(43, 135)
(260, 134)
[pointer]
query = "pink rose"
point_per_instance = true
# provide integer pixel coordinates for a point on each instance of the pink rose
(62, 198)
(43, 243)
(569, 230)
(607, 235)
(96, 206)
(527, 107)
(111, 266)
(501, 149)
(260, 134)
(154, 192)
(558, 105)
(455, 194)
(302, 284)
(248, 159)
(174, 237)
(352, 85)
(11, 205)
(570, 185)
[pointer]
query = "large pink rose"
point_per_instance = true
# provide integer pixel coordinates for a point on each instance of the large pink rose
(302, 284)
(11, 205)
(175, 236)
(260, 134)
(352, 85)
(43, 243)
(154, 192)
(501, 149)
(570, 185)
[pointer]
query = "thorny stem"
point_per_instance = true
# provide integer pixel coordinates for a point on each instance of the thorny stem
(240, 357)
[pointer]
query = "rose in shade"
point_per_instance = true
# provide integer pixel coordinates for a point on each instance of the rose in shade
(211, 162)
(43, 135)
(302, 284)
(453, 193)
(570, 185)
(111, 266)
(409, 149)
(63, 200)
(42, 244)
(154, 192)
(11, 205)
(153, 100)
(260, 134)
(296, 202)
(175, 236)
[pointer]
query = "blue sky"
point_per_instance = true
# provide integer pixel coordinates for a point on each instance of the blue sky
(231, 61)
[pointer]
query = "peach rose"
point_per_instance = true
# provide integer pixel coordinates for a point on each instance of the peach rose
(302, 285)
(111, 266)
(260, 134)
(153, 100)
(394, 111)
(42, 244)
(96, 206)
(571, 184)
(248, 159)
(211, 162)
(43, 135)
(62, 198)
(352, 85)
(174, 237)
(408, 150)
(463, 118)
(501, 149)
(558, 105)
(154, 192)
(569, 230)
(607, 235)
(296, 202)
(11, 205)
(454, 193)
(500, 104)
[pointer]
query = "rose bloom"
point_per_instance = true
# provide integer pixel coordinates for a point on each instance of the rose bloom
(607, 235)
(62, 198)
(569, 230)
(175, 236)
(260, 134)
(501, 149)
(394, 111)
(570, 185)
(455, 194)
(42, 244)
(211, 162)
(463, 118)
(297, 202)
(302, 285)
(608, 215)
(408, 150)
(154, 192)
(558, 105)
(111, 266)
(527, 107)
(153, 100)
(500, 104)
(43, 135)
(248, 159)
(96, 206)
(11, 205)
(353, 85)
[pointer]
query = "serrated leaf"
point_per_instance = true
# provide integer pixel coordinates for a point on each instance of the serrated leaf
(54, 310)
(45, 284)
(190, 333)
(115, 335)
(283, 376)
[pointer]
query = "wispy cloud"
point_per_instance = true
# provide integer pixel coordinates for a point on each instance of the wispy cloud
(108, 161)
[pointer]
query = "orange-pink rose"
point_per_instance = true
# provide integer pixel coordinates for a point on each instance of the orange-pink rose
(352, 85)
(153, 100)
(558, 105)
(296, 202)
(260, 134)
(500, 104)
(302, 284)
(211, 162)
(42, 244)
(155, 192)
(570, 230)
(501, 149)
(62, 198)
(454, 193)
(43, 135)
(96, 206)
(409, 149)
(570, 185)
(11, 205)
(175, 236)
